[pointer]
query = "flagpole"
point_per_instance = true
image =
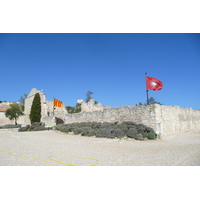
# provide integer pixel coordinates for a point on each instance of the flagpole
(53, 106)
(147, 90)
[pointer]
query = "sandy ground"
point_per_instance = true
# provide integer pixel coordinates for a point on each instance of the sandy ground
(182, 150)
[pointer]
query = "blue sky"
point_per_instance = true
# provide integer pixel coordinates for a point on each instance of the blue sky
(111, 65)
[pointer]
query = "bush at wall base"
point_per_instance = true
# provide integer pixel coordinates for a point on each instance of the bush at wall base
(151, 136)
(108, 130)
(37, 126)
(139, 137)
(11, 126)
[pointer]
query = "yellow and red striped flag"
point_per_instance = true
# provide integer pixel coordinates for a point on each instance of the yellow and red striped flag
(57, 103)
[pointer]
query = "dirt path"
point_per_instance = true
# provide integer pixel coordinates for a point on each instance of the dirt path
(180, 150)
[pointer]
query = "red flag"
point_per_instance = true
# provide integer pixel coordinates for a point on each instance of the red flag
(57, 103)
(153, 83)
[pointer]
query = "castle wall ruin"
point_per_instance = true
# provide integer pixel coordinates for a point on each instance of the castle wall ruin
(165, 120)
(47, 113)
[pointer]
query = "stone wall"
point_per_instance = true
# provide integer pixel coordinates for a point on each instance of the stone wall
(174, 119)
(138, 114)
(47, 111)
(91, 106)
(165, 120)
(4, 120)
(48, 114)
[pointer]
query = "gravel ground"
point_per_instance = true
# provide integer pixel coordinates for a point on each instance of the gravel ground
(181, 150)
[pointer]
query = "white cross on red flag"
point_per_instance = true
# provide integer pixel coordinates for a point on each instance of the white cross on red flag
(153, 83)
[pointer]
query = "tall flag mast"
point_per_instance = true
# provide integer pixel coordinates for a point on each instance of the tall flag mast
(147, 90)
(152, 84)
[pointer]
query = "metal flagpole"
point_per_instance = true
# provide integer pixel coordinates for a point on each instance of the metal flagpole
(53, 106)
(147, 90)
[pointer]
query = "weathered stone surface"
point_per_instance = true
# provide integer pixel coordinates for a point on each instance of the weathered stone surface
(91, 106)
(46, 107)
(46, 110)
(164, 120)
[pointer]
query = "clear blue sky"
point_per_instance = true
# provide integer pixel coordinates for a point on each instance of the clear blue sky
(112, 66)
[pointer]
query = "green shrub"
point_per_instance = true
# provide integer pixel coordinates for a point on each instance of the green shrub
(40, 128)
(96, 125)
(36, 124)
(132, 132)
(107, 129)
(129, 123)
(140, 125)
(61, 128)
(106, 125)
(11, 126)
(103, 132)
(145, 133)
(110, 134)
(77, 130)
(36, 127)
(28, 126)
(151, 136)
(23, 129)
(92, 132)
(15, 126)
(66, 129)
(119, 133)
(6, 126)
(85, 124)
(122, 126)
(140, 129)
(85, 130)
(131, 126)
(139, 137)
(58, 126)
(149, 129)
(89, 124)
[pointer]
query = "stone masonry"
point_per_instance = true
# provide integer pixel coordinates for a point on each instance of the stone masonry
(91, 106)
(48, 115)
(165, 120)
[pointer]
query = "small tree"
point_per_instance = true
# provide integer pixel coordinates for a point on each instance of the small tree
(70, 109)
(35, 114)
(139, 104)
(14, 112)
(22, 101)
(153, 101)
(22, 98)
(75, 109)
(88, 97)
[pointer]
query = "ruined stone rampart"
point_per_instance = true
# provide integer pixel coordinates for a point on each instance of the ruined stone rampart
(174, 119)
(138, 114)
(165, 120)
